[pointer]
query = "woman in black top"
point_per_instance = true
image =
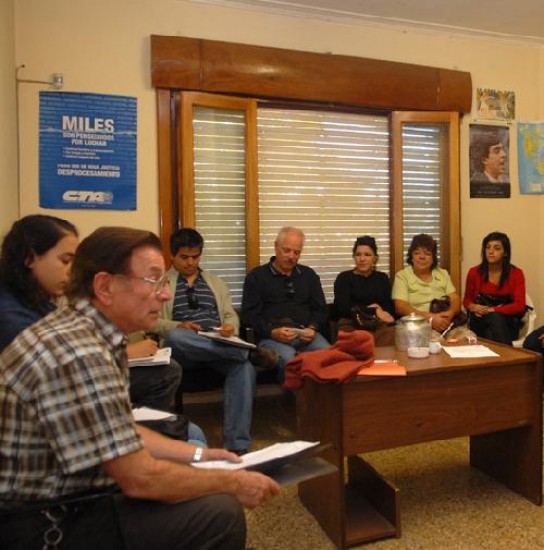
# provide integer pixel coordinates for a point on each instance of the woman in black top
(363, 293)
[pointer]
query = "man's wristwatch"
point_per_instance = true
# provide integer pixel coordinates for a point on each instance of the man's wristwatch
(198, 454)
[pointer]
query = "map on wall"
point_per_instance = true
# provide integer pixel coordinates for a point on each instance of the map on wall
(531, 158)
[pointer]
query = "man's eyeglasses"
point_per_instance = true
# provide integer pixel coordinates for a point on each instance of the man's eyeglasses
(289, 287)
(158, 285)
(192, 298)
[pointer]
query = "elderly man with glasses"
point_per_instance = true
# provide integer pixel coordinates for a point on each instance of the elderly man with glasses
(76, 471)
(283, 301)
(201, 301)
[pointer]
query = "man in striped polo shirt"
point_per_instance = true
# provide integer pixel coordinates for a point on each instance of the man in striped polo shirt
(201, 301)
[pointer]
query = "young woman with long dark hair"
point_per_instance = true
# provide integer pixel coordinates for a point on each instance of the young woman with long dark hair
(495, 292)
(35, 262)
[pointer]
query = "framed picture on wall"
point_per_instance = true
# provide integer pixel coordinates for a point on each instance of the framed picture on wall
(489, 161)
(495, 104)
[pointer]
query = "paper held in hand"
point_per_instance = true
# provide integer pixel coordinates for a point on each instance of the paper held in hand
(230, 340)
(161, 357)
(287, 463)
(145, 413)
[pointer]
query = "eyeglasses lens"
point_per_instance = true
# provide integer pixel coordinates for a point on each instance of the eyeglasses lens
(161, 284)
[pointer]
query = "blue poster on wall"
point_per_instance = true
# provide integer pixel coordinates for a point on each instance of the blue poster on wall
(87, 151)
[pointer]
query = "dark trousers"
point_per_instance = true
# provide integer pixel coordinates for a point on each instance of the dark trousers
(83, 525)
(115, 522)
(496, 326)
(155, 386)
(532, 341)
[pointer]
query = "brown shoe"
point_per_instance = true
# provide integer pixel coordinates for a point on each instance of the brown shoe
(263, 358)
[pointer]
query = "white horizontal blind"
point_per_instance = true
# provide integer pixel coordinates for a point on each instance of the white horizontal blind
(325, 172)
(328, 174)
(219, 180)
(422, 174)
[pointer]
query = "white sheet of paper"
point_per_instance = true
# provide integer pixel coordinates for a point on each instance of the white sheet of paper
(161, 357)
(145, 413)
(277, 450)
(232, 340)
(467, 352)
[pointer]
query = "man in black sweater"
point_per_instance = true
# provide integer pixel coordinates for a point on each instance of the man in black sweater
(283, 301)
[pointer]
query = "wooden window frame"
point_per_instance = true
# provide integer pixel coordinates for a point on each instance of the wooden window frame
(186, 198)
(180, 63)
(450, 197)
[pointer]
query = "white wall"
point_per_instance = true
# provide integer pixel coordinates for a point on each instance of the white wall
(8, 144)
(103, 46)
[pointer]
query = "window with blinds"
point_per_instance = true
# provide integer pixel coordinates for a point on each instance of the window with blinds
(220, 202)
(325, 172)
(423, 170)
(328, 174)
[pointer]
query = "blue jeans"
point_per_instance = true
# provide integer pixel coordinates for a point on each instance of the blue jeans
(195, 436)
(288, 351)
(532, 341)
(196, 352)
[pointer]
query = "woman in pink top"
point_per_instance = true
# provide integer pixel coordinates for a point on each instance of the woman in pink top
(495, 292)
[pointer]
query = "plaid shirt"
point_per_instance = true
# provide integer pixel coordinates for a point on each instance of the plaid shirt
(64, 406)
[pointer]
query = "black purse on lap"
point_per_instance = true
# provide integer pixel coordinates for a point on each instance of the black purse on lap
(364, 318)
(491, 300)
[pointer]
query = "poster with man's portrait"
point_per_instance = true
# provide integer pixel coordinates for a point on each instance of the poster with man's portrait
(489, 162)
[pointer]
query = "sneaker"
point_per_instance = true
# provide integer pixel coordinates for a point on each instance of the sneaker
(263, 358)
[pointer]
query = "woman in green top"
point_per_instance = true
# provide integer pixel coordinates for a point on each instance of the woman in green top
(422, 281)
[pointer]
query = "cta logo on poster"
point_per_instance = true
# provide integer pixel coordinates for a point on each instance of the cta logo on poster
(98, 197)
(87, 151)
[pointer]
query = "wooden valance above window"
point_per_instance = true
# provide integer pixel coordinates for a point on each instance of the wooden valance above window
(261, 72)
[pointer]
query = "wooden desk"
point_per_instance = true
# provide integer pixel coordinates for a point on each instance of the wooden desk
(496, 401)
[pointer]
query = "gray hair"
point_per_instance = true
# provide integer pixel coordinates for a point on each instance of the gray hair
(289, 229)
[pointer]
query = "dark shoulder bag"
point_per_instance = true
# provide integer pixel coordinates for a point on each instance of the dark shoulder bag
(364, 318)
(491, 300)
(443, 304)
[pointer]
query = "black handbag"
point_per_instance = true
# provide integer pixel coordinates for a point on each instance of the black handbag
(443, 304)
(364, 318)
(491, 300)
